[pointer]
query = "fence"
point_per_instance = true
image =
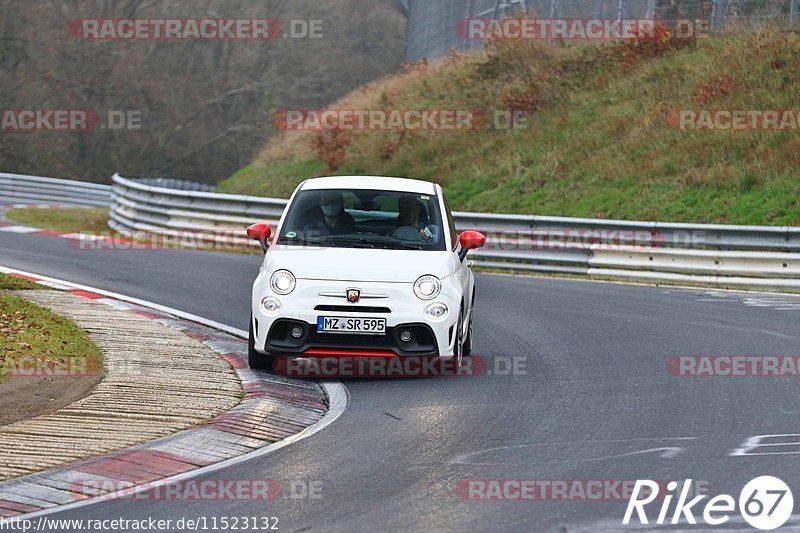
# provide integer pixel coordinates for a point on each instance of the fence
(431, 28)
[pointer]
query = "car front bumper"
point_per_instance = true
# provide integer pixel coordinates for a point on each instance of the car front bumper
(394, 302)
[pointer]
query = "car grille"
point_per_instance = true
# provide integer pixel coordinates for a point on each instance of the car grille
(280, 341)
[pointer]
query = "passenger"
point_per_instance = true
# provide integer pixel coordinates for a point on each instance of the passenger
(409, 227)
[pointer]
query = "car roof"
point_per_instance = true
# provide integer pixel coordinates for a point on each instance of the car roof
(381, 183)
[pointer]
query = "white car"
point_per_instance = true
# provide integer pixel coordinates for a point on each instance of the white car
(363, 266)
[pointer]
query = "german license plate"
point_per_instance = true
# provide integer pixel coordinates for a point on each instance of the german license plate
(353, 325)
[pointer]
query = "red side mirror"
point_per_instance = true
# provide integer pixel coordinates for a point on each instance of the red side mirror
(471, 239)
(260, 232)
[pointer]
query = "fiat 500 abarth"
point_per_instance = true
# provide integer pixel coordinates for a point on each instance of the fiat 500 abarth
(363, 266)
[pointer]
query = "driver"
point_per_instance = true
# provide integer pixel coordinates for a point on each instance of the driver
(335, 219)
(409, 227)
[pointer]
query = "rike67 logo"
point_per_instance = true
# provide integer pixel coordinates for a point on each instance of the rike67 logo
(765, 503)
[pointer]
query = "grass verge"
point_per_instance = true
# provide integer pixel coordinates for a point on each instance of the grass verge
(65, 219)
(14, 283)
(46, 361)
(32, 333)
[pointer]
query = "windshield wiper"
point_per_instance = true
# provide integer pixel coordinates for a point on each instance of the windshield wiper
(347, 240)
(392, 242)
(352, 241)
(399, 245)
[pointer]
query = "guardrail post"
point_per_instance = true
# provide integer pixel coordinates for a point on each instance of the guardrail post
(793, 8)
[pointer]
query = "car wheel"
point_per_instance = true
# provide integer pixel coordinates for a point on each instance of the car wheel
(256, 360)
(466, 351)
(458, 349)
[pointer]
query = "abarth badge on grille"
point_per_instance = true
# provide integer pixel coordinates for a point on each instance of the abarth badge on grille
(353, 295)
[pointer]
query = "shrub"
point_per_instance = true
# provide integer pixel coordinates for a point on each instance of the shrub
(330, 147)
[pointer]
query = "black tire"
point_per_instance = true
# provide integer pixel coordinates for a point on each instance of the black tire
(458, 349)
(466, 351)
(257, 361)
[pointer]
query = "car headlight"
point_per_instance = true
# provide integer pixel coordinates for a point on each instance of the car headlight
(282, 282)
(427, 287)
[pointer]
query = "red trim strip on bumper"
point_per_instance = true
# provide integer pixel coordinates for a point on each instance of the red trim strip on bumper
(335, 352)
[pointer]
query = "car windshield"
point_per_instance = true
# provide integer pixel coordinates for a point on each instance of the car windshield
(357, 218)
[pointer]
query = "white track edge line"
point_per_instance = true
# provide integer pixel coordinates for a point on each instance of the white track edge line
(336, 392)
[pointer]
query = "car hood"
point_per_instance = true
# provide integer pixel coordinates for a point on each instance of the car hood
(358, 264)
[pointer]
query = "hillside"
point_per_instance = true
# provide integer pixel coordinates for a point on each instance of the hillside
(601, 140)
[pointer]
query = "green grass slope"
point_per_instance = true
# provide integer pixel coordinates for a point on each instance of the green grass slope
(598, 141)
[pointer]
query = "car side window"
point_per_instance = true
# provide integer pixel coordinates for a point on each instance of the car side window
(451, 223)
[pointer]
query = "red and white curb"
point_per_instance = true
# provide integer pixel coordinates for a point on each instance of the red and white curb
(275, 412)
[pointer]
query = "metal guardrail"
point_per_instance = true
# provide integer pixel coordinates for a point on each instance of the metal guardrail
(762, 257)
(661, 234)
(21, 189)
(140, 206)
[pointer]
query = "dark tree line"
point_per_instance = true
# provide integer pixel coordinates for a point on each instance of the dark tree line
(205, 106)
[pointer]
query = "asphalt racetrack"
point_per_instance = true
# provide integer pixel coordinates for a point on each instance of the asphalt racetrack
(590, 399)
